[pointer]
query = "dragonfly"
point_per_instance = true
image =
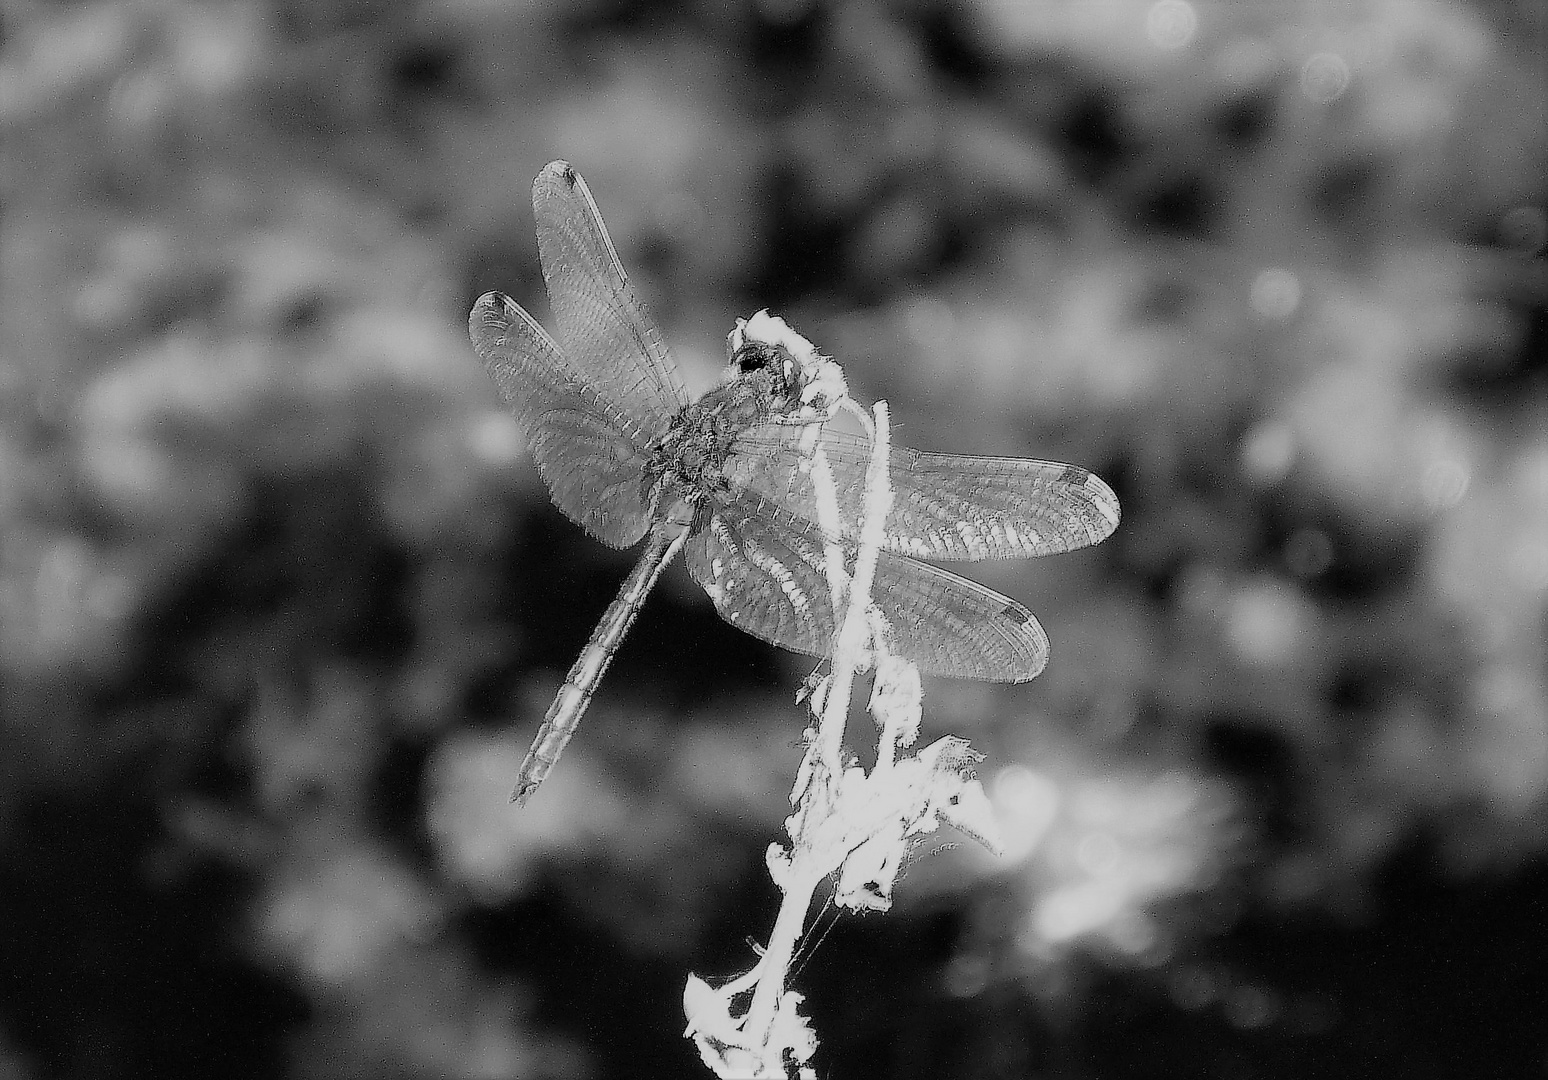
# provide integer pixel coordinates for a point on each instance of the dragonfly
(726, 480)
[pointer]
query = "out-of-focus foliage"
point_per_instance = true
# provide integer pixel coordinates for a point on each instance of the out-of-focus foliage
(281, 598)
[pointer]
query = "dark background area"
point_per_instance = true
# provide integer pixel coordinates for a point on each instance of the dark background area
(282, 598)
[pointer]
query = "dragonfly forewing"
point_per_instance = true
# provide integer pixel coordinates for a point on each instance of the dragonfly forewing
(945, 506)
(606, 329)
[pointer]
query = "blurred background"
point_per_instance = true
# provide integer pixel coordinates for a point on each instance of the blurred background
(282, 598)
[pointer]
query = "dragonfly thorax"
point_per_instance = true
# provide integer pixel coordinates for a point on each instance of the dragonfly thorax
(688, 461)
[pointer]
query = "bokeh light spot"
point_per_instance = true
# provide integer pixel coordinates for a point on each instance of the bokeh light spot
(1068, 913)
(497, 439)
(1324, 77)
(1445, 484)
(1268, 452)
(1276, 294)
(1097, 853)
(1267, 623)
(1171, 24)
(1026, 804)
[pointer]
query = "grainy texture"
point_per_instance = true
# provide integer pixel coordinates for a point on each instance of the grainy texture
(282, 595)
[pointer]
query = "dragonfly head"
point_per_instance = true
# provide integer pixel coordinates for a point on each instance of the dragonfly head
(766, 342)
(754, 356)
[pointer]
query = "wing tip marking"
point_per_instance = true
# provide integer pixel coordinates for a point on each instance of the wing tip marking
(493, 310)
(560, 169)
(1103, 499)
(1029, 635)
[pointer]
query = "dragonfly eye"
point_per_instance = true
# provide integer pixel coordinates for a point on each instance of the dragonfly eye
(755, 356)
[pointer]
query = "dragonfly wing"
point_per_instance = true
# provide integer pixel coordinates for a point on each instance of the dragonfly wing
(764, 580)
(606, 330)
(763, 568)
(946, 506)
(589, 456)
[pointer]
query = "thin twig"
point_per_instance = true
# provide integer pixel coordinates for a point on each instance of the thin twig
(849, 647)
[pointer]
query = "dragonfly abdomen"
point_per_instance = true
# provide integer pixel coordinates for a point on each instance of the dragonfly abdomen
(580, 685)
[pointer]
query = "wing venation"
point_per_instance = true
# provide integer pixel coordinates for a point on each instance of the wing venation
(946, 506)
(606, 330)
(763, 569)
(591, 457)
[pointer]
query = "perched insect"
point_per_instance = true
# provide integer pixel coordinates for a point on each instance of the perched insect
(628, 456)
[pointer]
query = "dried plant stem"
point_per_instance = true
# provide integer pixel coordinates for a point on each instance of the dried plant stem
(847, 822)
(789, 924)
(849, 652)
(854, 634)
